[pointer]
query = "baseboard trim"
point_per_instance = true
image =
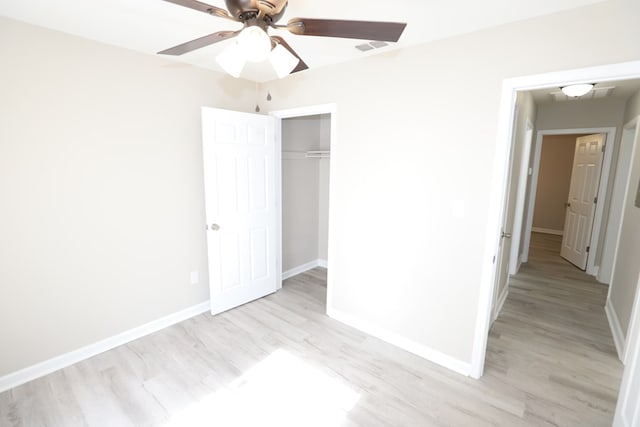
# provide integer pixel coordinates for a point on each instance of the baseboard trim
(500, 303)
(402, 342)
(616, 329)
(547, 231)
(48, 366)
(304, 268)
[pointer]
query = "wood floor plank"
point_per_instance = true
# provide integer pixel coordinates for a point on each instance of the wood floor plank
(550, 361)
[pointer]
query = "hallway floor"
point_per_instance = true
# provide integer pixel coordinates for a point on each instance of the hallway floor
(552, 340)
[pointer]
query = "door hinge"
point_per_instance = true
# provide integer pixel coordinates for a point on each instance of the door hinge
(494, 259)
(595, 200)
(588, 249)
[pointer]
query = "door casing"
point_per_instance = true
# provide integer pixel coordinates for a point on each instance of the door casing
(280, 115)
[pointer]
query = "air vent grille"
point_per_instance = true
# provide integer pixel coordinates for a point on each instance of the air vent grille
(372, 45)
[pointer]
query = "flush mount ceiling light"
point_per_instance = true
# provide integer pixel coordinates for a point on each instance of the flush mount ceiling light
(575, 91)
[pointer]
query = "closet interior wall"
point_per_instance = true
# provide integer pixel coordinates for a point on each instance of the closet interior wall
(305, 192)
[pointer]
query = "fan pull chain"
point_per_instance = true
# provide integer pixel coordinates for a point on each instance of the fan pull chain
(269, 97)
(257, 105)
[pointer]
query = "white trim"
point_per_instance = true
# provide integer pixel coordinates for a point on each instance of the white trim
(303, 268)
(41, 369)
(500, 303)
(332, 110)
(406, 344)
(510, 87)
(323, 263)
(547, 231)
(521, 195)
(632, 125)
(616, 329)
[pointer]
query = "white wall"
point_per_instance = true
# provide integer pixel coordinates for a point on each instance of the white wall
(416, 134)
(305, 191)
(627, 267)
(102, 216)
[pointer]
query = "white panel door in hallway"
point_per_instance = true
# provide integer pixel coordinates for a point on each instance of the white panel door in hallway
(240, 175)
(581, 206)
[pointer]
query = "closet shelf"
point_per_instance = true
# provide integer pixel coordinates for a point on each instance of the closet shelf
(300, 155)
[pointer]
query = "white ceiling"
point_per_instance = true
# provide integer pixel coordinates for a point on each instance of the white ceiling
(153, 25)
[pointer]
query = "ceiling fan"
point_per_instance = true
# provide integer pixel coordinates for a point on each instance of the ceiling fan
(257, 16)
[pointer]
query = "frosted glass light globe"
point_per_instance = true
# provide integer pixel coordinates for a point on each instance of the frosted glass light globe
(254, 43)
(575, 91)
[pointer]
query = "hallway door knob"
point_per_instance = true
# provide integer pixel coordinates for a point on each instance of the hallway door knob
(215, 227)
(505, 235)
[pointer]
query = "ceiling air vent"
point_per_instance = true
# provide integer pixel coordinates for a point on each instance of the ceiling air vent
(370, 46)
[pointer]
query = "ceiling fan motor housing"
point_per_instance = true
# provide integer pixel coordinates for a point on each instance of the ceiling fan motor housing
(242, 9)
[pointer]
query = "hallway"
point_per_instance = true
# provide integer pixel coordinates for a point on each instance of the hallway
(552, 338)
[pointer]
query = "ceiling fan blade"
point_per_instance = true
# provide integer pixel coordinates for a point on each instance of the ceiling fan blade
(301, 65)
(366, 30)
(199, 43)
(203, 7)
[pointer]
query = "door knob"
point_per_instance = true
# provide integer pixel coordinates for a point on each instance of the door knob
(505, 235)
(215, 227)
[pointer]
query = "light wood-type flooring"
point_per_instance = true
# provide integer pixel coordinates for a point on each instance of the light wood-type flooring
(281, 362)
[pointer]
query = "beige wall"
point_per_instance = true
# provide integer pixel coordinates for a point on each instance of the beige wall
(305, 187)
(102, 212)
(554, 179)
(627, 267)
(589, 113)
(416, 135)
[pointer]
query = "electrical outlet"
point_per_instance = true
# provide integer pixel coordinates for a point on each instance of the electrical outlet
(195, 278)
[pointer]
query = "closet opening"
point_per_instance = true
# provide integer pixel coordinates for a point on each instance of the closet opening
(306, 140)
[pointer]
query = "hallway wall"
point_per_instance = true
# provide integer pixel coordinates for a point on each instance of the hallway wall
(627, 265)
(554, 180)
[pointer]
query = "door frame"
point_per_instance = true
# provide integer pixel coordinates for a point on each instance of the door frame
(504, 144)
(516, 259)
(622, 342)
(313, 110)
(607, 161)
(632, 364)
(633, 127)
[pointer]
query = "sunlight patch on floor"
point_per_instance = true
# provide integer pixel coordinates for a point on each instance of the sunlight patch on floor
(282, 390)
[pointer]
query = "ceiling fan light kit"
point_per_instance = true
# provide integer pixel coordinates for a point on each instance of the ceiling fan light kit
(253, 43)
(231, 60)
(282, 61)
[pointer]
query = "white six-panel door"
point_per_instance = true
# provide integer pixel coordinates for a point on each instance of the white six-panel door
(239, 152)
(581, 206)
